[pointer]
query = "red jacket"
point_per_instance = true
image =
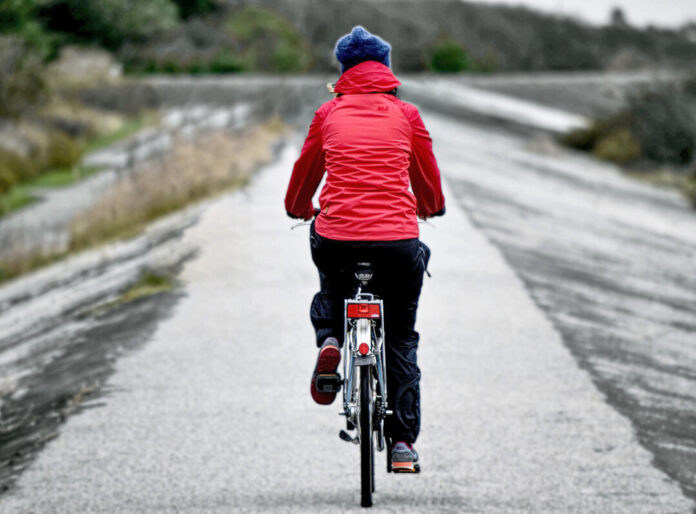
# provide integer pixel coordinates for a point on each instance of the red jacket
(372, 146)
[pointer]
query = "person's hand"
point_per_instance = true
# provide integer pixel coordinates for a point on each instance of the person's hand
(307, 217)
(441, 212)
(292, 216)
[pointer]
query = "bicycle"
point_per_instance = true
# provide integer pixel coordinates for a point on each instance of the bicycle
(364, 381)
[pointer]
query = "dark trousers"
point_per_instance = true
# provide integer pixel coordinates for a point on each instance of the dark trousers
(398, 278)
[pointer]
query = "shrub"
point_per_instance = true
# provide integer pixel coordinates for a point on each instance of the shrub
(268, 41)
(20, 168)
(226, 62)
(447, 56)
(57, 150)
(587, 138)
(657, 126)
(7, 179)
(19, 17)
(287, 59)
(110, 22)
(62, 152)
(689, 85)
(22, 82)
(582, 138)
(690, 188)
(663, 126)
(619, 146)
(188, 8)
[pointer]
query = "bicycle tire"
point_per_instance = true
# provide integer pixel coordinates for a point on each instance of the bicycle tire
(366, 439)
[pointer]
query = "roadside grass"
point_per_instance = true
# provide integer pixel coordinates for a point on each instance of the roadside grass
(150, 284)
(129, 128)
(63, 177)
(195, 169)
(25, 193)
(684, 183)
(16, 198)
(15, 262)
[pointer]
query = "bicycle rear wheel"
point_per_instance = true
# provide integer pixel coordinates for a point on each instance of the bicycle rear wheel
(367, 472)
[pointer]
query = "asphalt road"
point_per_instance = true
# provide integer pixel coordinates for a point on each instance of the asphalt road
(213, 414)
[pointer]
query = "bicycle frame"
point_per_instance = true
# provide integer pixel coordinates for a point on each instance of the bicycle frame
(366, 328)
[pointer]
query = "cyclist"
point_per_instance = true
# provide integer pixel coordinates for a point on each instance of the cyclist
(372, 146)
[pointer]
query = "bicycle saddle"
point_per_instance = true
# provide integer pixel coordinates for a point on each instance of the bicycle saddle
(364, 272)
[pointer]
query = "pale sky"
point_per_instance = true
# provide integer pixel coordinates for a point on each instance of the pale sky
(668, 13)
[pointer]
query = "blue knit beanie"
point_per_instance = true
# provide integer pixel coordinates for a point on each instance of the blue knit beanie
(360, 46)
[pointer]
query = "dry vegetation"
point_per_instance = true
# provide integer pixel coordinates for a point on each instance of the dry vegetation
(195, 169)
(653, 137)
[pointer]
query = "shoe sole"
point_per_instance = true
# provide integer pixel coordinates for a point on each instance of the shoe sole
(405, 467)
(327, 362)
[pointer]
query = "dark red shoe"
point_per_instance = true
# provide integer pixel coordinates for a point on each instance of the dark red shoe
(327, 363)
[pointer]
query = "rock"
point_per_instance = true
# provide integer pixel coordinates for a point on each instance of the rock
(127, 98)
(83, 66)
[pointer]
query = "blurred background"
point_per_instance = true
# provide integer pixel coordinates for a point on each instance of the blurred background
(117, 114)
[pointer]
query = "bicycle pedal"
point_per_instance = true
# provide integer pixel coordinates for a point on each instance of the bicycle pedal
(348, 438)
(328, 382)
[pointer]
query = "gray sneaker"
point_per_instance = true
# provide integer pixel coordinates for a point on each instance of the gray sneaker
(404, 458)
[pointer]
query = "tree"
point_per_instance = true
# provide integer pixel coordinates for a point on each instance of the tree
(110, 22)
(618, 18)
(447, 55)
(188, 8)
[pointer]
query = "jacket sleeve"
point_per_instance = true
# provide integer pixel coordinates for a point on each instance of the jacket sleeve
(307, 172)
(423, 171)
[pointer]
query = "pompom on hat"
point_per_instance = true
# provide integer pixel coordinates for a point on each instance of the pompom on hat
(360, 46)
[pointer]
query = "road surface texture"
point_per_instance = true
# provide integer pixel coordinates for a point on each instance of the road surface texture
(213, 414)
(612, 262)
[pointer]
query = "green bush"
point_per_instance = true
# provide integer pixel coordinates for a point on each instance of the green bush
(690, 189)
(20, 18)
(7, 179)
(268, 41)
(226, 62)
(447, 56)
(689, 85)
(20, 168)
(188, 8)
(664, 126)
(582, 138)
(587, 138)
(110, 22)
(58, 151)
(249, 39)
(22, 81)
(657, 126)
(288, 59)
(619, 146)
(63, 151)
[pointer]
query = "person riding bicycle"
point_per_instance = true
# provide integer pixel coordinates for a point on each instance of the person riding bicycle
(372, 146)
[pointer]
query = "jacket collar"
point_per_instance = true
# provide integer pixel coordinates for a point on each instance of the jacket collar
(367, 77)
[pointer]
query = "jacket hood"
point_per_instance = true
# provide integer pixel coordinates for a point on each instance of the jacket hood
(367, 77)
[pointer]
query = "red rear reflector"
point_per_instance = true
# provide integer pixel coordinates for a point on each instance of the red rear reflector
(363, 310)
(363, 348)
